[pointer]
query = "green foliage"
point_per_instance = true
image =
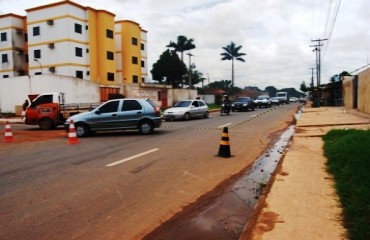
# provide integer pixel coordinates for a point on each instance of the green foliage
(169, 69)
(183, 44)
(231, 53)
(196, 77)
(303, 87)
(223, 84)
(348, 154)
(292, 92)
(271, 90)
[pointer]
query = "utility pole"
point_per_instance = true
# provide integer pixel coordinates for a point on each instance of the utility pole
(190, 55)
(312, 77)
(317, 49)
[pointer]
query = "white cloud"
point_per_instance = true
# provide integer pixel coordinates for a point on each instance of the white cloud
(275, 34)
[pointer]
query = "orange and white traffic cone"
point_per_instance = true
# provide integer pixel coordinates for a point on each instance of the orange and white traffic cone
(72, 137)
(8, 136)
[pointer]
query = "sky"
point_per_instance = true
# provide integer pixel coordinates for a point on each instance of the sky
(275, 35)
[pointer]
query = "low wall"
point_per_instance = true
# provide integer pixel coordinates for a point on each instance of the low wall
(363, 103)
(348, 98)
(13, 91)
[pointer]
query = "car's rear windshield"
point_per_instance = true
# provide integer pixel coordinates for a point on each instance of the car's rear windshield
(242, 100)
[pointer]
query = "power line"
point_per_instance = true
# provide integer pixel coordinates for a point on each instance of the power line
(336, 10)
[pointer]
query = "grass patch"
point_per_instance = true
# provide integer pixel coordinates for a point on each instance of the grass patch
(348, 153)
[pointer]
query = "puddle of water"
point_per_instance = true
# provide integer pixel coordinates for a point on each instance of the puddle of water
(227, 215)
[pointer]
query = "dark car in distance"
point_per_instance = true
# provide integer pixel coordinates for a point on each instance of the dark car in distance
(242, 104)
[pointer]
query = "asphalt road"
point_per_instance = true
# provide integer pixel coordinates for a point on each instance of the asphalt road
(122, 185)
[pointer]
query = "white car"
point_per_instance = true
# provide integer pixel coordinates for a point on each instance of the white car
(262, 100)
(187, 109)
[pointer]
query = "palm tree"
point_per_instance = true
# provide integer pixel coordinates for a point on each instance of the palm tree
(183, 44)
(231, 53)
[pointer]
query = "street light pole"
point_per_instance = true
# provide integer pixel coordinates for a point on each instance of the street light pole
(37, 60)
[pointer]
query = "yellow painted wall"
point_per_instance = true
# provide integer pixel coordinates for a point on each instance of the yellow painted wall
(130, 30)
(93, 46)
(99, 21)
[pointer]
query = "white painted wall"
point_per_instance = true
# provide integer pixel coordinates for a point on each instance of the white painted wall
(13, 91)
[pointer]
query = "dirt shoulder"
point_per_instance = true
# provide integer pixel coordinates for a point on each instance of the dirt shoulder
(302, 202)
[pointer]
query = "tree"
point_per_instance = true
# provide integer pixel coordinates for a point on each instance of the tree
(169, 69)
(303, 87)
(183, 44)
(271, 90)
(196, 77)
(223, 84)
(231, 53)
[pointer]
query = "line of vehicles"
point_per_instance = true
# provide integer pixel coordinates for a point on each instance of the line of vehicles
(49, 110)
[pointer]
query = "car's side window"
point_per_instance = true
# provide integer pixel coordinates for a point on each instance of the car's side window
(195, 104)
(201, 103)
(109, 107)
(131, 105)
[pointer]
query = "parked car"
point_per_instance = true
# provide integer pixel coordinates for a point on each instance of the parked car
(275, 101)
(187, 109)
(118, 114)
(262, 101)
(293, 99)
(242, 104)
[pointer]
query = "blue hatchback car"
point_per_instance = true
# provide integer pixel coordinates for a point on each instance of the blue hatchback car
(118, 114)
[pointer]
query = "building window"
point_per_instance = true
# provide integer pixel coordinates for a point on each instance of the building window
(134, 60)
(110, 76)
(134, 41)
(36, 31)
(142, 46)
(3, 37)
(78, 28)
(109, 33)
(135, 79)
(37, 73)
(37, 53)
(4, 58)
(142, 64)
(78, 52)
(5, 76)
(110, 55)
(79, 74)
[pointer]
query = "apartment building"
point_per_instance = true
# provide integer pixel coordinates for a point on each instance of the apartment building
(131, 45)
(68, 39)
(13, 46)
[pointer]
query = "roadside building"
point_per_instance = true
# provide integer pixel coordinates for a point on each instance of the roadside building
(13, 46)
(356, 91)
(67, 39)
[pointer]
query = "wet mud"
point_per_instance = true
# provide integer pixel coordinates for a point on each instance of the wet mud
(226, 215)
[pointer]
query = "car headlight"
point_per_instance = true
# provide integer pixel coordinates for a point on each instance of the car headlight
(245, 104)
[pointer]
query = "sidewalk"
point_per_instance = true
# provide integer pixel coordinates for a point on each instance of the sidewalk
(302, 202)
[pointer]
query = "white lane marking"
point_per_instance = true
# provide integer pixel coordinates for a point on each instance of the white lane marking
(227, 124)
(131, 158)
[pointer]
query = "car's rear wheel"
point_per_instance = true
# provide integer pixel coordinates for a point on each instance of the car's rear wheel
(206, 115)
(145, 127)
(82, 130)
(186, 116)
